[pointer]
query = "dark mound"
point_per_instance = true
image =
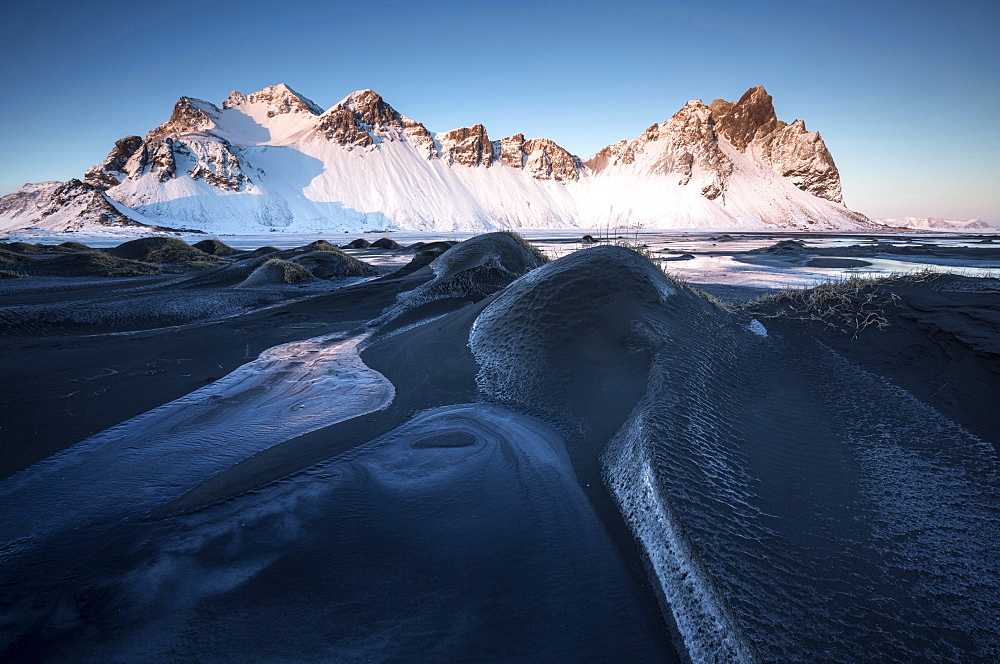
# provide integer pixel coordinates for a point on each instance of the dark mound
(434, 248)
(7, 256)
(783, 248)
(163, 250)
(587, 239)
(28, 249)
(257, 253)
(333, 263)
(468, 272)
(23, 248)
(387, 243)
(94, 263)
(320, 245)
(589, 319)
(360, 243)
(216, 247)
(74, 246)
(277, 272)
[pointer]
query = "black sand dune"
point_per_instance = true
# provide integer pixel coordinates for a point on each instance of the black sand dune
(168, 250)
(386, 243)
(334, 264)
(216, 247)
(462, 274)
(90, 262)
(276, 271)
(581, 458)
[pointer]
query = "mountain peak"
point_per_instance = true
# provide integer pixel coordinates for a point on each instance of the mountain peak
(742, 121)
(364, 109)
(281, 97)
(360, 100)
(189, 115)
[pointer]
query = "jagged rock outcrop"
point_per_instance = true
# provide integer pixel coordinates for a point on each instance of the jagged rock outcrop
(685, 146)
(510, 150)
(539, 157)
(467, 146)
(280, 99)
(796, 154)
(188, 115)
(363, 116)
(109, 173)
(749, 118)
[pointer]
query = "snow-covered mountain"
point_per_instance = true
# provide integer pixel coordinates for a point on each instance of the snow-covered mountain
(275, 160)
(932, 224)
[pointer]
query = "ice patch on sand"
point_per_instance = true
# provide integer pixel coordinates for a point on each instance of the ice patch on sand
(706, 626)
(135, 466)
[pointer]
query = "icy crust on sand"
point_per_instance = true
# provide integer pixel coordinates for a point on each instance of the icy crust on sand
(784, 499)
(709, 631)
(462, 535)
(474, 269)
(152, 458)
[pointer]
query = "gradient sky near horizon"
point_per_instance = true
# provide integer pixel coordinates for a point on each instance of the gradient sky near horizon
(906, 94)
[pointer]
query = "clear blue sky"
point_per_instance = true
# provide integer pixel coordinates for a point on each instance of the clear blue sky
(906, 94)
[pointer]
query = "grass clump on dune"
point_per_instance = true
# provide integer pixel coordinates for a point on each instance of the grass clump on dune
(849, 305)
(7, 257)
(98, 263)
(333, 263)
(164, 250)
(530, 248)
(292, 273)
(215, 247)
(275, 272)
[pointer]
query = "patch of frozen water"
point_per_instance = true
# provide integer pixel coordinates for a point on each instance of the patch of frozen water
(757, 328)
(133, 467)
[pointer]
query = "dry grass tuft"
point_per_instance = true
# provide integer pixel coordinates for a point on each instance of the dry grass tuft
(530, 248)
(848, 305)
(292, 273)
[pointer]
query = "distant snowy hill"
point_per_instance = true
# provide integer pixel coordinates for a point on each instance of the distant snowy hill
(938, 224)
(273, 160)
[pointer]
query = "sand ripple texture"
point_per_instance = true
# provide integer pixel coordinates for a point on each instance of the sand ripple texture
(135, 466)
(796, 508)
(460, 536)
(792, 507)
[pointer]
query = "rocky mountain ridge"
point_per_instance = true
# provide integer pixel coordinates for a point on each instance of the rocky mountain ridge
(274, 159)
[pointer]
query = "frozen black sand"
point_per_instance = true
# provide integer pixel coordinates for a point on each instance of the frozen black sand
(578, 461)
